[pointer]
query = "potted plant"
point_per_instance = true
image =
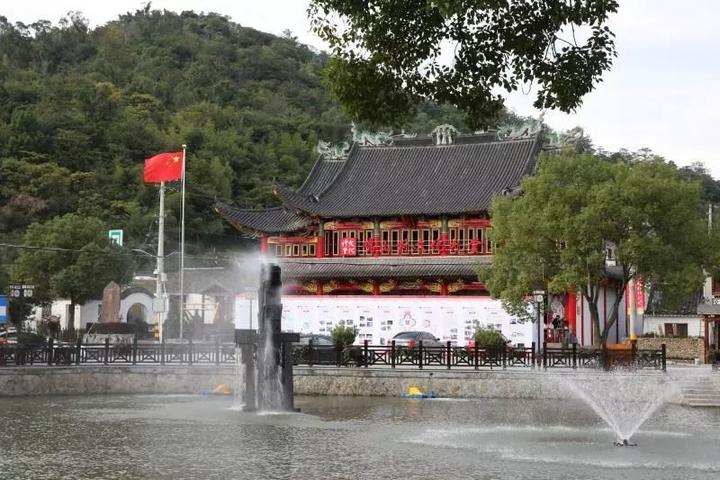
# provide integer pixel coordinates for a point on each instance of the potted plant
(489, 338)
(344, 337)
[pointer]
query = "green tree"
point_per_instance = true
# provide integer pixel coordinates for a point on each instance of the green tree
(557, 233)
(343, 336)
(71, 257)
(390, 55)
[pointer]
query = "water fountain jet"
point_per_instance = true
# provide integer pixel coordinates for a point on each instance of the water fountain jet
(265, 355)
(623, 399)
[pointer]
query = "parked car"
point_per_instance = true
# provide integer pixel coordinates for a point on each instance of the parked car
(314, 349)
(324, 352)
(317, 340)
(412, 339)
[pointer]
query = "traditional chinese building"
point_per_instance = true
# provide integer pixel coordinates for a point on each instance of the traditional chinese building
(401, 218)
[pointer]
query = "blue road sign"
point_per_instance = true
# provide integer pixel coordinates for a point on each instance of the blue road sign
(3, 309)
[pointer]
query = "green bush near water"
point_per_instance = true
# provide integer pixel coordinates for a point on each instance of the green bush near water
(486, 337)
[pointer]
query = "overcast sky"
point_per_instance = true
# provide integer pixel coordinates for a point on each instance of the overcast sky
(660, 94)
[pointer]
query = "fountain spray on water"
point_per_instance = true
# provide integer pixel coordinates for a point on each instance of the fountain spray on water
(623, 399)
(264, 372)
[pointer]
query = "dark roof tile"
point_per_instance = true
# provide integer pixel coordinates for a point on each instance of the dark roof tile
(381, 267)
(416, 180)
(268, 220)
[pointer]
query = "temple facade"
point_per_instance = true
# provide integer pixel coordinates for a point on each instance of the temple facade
(388, 234)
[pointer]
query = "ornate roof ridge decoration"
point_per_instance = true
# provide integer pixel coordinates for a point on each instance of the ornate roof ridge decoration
(367, 138)
(444, 134)
(566, 139)
(331, 152)
(529, 128)
(402, 134)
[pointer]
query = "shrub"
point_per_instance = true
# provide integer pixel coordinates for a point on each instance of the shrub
(343, 336)
(487, 337)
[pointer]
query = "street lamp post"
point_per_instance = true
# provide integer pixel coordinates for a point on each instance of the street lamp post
(539, 299)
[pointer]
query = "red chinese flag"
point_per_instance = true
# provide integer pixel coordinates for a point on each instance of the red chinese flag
(164, 167)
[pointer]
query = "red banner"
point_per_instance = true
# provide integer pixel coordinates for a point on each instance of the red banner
(639, 295)
(348, 247)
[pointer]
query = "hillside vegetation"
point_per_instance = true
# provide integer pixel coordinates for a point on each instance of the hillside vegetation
(83, 107)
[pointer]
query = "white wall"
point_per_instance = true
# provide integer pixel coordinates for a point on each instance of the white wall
(656, 325)
(138, 297)
(246, 312)
(90, 311)
(618, 333)
(378, 319)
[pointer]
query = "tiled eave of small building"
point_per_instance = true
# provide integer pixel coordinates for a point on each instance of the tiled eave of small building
(382, 267)
(263, 220)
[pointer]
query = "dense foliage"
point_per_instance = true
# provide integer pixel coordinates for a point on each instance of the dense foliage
(576, 208)
(82, 108)
(389, 54)
(71, 257)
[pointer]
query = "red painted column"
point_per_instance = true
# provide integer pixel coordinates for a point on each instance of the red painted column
(571, 311)
(582, 320)
(444, 244)
(376, 246)
(376, 288)
(443, 289)
(263, 245)
(319, 288)
(320, 247)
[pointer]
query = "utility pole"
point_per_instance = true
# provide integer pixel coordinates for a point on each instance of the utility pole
(160, 307)
(182, 247)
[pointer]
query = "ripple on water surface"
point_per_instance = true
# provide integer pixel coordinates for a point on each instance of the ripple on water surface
(188, 437)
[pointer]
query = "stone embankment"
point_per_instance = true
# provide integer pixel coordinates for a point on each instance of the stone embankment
(697, 384)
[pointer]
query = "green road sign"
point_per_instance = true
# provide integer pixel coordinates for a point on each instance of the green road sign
(116, 237)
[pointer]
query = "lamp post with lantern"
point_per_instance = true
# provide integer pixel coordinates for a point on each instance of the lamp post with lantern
(539, 300)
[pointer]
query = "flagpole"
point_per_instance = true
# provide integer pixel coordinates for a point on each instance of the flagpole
(182, 248)
(159, 290)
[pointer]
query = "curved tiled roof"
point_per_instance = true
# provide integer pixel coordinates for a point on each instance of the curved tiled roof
(420, 180)
(268, 220)
(321, 176)
(387, 267)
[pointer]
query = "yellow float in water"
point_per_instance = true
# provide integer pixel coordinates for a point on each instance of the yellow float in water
(415, 392)
(222, 389)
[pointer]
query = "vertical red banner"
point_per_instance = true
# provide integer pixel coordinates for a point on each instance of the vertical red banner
(639, 295)
(348, 247)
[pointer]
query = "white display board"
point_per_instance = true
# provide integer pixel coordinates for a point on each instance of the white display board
(380, 318)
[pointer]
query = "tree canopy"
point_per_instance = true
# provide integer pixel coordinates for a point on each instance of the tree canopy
(557, 233)
(83, 107)
(388, 55)
(71, 257)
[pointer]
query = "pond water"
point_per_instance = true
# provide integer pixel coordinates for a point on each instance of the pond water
(192, 437)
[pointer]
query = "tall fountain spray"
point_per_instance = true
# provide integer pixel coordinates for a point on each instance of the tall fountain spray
(265, 355)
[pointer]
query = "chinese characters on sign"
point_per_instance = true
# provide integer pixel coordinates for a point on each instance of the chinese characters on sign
(348, 247)
(21, 291)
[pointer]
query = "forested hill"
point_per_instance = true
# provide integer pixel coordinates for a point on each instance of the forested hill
(82, 108)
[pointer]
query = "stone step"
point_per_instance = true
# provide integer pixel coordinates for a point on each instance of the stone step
(709, 396)
(706, 391)
(703, 403)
